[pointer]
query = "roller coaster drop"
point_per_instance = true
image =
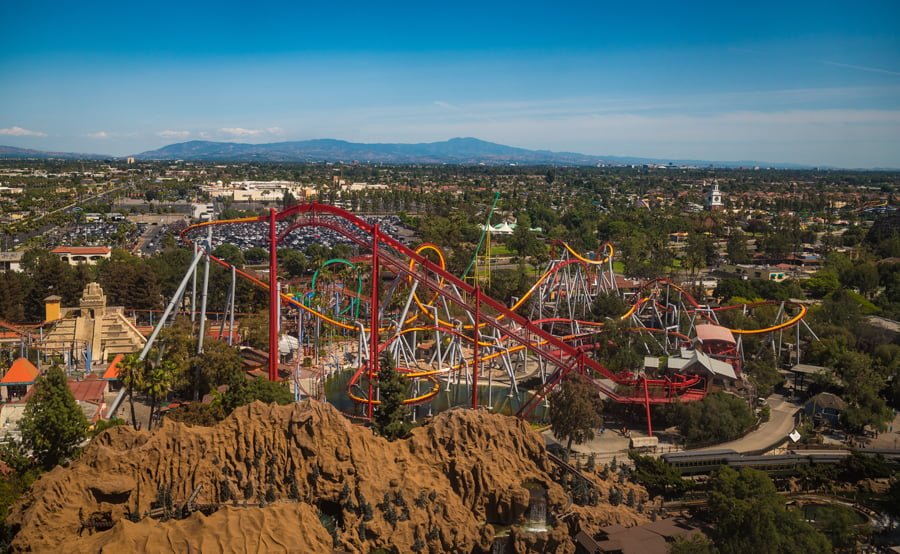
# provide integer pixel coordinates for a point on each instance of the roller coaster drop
(471, 331)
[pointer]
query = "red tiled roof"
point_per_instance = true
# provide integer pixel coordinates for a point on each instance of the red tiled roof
(88, 391)
(21, 372)
(112, 372)
(83, 250)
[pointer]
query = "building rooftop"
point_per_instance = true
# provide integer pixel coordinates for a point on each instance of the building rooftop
(650, 538)
(808, 369)
(21, 372)
(89, 390)
(691, 359)
(112, 371)
(707, 333)
(83, 250)
(827, 400)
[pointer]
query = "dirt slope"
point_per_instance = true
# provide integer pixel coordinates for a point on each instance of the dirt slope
(272, 470)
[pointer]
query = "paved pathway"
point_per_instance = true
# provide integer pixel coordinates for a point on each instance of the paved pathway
(770, 433)
(613, 444)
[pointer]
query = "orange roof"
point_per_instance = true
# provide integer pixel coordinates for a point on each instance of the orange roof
(82, 250)
(22, 372)
(112, 372)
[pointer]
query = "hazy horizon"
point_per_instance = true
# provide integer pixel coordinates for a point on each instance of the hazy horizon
(805, 83)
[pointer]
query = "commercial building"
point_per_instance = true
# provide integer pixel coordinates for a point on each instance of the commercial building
(76, 255)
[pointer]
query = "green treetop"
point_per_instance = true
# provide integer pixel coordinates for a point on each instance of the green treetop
(575, 410)
(53, 424)
(390, 418)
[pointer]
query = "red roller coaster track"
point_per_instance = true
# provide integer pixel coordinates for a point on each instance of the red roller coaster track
(386, 251)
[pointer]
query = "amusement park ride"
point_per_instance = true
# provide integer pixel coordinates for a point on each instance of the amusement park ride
(398, 299)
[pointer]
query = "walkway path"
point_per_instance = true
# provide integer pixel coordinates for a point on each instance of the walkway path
(770, 433)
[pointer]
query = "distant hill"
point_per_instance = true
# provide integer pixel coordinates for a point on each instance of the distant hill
(453, 151)
(463, 151)
(25, 153)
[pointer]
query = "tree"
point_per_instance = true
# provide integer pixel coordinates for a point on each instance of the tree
(131, 372)
(750, 517)
(293, 262)
(718, 417)
(53, 424)
(608, 304)
(156, 383)
(390, 418)
(694, 544)
(764, 374)
(229, 253)
(219, 364)
(242, 391)
(736, 248)
(658, 476)
(700, 251)
(575, 410)
(255, 329)
(839, 523)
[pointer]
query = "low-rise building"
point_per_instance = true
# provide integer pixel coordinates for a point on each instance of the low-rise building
(696, 362)
(76, 255)
(18, 380)
(826, 408)
(11, 261)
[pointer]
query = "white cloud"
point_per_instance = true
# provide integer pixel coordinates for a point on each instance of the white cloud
(275, 131)
(20, 132)
(99, 135)
(168, 133)
(205, 135)
(241, 132)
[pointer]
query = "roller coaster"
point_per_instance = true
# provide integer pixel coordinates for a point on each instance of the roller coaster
(403, 300)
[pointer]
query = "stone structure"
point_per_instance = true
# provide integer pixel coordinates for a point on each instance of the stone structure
(93, 326)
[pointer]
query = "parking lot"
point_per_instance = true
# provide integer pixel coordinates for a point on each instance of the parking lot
(117, 234)
(249, 235)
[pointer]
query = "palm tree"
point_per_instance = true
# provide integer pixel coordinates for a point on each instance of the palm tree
(157, 381)
(131, 372)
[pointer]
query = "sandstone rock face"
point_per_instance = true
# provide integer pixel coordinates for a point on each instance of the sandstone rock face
(284, 476)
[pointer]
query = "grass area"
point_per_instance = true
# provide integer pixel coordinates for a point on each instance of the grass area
(500, 249)
(867, 307)
(618, 267)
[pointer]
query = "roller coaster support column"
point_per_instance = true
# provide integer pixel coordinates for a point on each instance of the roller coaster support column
(647, 406)
(373, 310)
(204, 294)
(273, 297)
(475, 347)
(233, 308)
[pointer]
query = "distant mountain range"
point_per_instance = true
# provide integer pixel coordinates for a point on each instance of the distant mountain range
(463, 151)
(453, 151)
(9, 152)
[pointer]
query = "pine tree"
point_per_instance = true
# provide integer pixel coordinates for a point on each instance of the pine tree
(615, 496)
(53, 424)
(390, 418)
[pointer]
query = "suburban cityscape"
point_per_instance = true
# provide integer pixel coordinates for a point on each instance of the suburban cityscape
(698, 321)
(480, 278)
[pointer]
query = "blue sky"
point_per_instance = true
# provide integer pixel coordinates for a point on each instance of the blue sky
(814, 83)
